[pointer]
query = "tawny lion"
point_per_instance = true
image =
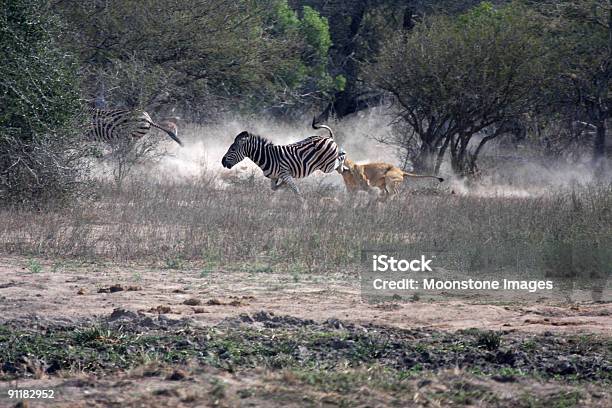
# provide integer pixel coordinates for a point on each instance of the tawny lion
(385, 176)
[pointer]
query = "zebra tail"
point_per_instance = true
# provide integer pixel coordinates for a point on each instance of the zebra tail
(315, 125)
(169, 132)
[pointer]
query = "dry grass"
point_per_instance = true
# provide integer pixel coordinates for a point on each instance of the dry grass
(196, 220)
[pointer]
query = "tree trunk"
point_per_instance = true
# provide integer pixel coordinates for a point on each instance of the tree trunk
(354, 98)
(345, 102)
(459, 159)
(599, 147)
(441, 154)
(425, 161)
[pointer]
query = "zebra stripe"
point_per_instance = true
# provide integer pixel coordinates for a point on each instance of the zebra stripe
(113, 125)
(282, 163)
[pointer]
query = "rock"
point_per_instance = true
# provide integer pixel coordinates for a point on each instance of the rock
(262, 316)
(335, 323)
(504, 378)
(246, 318)
(423, 383)
(111, 289)
(120, 313)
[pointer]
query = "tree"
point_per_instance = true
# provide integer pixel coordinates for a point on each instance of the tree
(357, 27)
(581, 36)
(305, 75)
(200, 55)
(38, 102)
(454, 77)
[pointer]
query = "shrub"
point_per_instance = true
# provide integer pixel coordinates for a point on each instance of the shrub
(38, 103)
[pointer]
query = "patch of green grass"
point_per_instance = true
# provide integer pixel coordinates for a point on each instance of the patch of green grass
(283, 342)
(586, 342)
(34, 266)
(258, 267)
(465, 393)
(354, 379)
(472, 331)
(218, 389)
(511, 372)
(487, 339)
(529, 345)
(212, 256)
(58, 267)
(490, 340)
(564, 399)
(174, 263)
(210, 265)
(420, 347)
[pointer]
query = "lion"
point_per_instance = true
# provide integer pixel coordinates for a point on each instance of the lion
(385, 176)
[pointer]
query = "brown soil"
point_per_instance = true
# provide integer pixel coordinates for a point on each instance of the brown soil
(75, 291)
(71, 292)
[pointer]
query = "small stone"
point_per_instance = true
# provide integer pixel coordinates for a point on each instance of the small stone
(192, 302)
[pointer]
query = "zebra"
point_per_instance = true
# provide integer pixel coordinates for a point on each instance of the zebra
(113, 125)
(282, 163)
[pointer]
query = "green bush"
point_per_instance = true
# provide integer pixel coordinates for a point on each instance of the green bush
(39, 87)
(38, 102)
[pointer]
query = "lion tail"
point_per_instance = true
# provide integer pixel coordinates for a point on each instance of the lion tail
(406, 174)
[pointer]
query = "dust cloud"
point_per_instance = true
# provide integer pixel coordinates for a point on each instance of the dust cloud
(205, 145)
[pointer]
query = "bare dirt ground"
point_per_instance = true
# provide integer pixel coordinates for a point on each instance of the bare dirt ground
(330, 307)
(72, 291)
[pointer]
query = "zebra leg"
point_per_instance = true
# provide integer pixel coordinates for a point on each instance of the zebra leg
(275, 184)
(287, 179)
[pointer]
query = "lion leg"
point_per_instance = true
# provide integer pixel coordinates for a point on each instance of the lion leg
(392, 185)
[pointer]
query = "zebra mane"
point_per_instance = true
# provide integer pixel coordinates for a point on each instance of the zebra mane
(265, 141)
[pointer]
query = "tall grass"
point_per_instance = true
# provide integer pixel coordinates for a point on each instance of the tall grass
(195, 220)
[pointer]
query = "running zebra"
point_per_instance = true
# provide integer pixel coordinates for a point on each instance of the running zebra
(281, 164)
(112, 125)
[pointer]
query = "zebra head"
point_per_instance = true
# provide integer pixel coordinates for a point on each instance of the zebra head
(236, 151)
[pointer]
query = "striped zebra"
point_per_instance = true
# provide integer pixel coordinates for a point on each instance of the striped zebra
(114, 125)
(282, 164)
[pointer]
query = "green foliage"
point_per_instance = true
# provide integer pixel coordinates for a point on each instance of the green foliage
(38, 87)
(340, 82)
(34, 266)
(39, 94)
(316, 32)
(484, 12)
(287, 18)
(580, 34)
(490, 340)
(464, 75)
(199, 54)
(307, 70)
(174, 263)
(580, 39)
